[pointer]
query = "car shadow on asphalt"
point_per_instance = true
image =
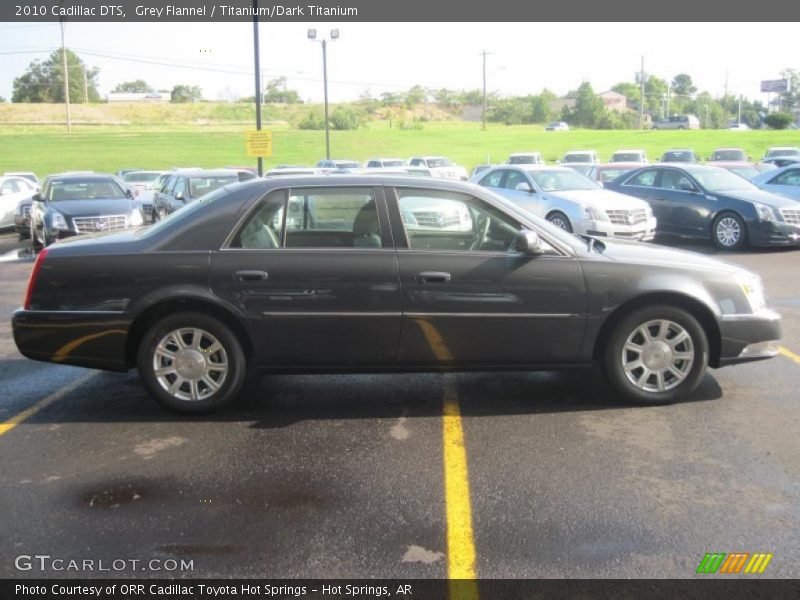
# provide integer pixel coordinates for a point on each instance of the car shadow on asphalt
(707, 247)
(276, 401)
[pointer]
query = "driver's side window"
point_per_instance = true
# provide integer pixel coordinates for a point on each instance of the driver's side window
(449, 221)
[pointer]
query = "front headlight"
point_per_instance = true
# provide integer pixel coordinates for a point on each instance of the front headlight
(136, 218)
(59, 222)
(594, 214)
(753, 290)
(764, 212)
(648, 211)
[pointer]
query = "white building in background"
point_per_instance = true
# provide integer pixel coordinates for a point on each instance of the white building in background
(138, 97)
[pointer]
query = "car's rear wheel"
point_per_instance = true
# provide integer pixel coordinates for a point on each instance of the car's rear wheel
(728, 232)
(560, 220)
(191, 363)
(656, 355)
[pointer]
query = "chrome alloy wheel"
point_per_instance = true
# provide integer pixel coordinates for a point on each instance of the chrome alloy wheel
(190, 364)
(728, 232)
(559, 222)
(657, 356)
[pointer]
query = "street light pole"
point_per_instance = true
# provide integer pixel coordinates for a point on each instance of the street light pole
(312, 35)
(483, 112)
(66, 79)
(325, 86)
(257, 69)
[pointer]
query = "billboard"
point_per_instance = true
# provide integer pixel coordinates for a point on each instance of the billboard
(774, 85)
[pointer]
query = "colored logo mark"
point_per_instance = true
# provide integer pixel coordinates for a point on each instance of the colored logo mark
(733, 563)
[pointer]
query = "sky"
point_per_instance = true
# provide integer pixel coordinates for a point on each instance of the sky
(381, 57)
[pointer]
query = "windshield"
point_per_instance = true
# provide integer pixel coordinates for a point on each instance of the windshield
(609, 174)
(556, 181)
(84, 190)
(626, 157)
(678, 156)
(523, 159)
(720, 180)
(729, 155)
(577, 158)
(200, 186)
(784, 152)
(393, 163)
(141, 177)
(438, 162)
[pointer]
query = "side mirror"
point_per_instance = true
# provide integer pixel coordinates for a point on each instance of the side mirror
(524, 186)
(180, 196)
(528, 242)
(37, 197)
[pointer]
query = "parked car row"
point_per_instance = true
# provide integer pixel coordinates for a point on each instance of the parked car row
(436, 166)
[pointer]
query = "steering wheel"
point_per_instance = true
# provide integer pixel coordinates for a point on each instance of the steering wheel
(482, 232)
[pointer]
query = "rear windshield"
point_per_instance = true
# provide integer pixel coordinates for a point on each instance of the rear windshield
(438, 162)
(626, 157)
(578, 158)
(140, 177)
(729, 155)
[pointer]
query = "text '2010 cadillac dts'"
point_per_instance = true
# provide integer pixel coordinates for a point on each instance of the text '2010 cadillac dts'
(378, 273)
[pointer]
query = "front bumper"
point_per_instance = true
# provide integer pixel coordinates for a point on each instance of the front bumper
(749, 337)
(85, 339)
(774, 233)
(642, 232)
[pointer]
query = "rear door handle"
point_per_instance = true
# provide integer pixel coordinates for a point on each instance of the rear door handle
(433, 277)
(251, 276)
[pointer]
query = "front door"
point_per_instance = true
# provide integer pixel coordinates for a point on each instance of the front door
(314, 271)
(468, 299)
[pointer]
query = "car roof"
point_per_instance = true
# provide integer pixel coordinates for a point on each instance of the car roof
(82, 177)
(615, 165)
(211, 173)
(534, 167)
(580, 152)
(728, 148)
(525, 154)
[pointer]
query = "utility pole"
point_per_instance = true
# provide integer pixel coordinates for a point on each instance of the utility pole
(325, 89)
(669, 83)
(483, 112)
(641, 97)
(66, 79)
(726, 84)
(739, 119)
(85, 86)
(257, 69)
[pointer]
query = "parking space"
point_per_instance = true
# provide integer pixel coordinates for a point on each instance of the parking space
(366, 476)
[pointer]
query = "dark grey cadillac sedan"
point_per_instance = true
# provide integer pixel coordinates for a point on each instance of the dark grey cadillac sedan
(377, 273)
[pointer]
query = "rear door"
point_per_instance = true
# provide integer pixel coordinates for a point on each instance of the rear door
(689, 209)
(315, 272)
(467, 298)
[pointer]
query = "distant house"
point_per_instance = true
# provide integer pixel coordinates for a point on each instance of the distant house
(614, 101)
(138, 97)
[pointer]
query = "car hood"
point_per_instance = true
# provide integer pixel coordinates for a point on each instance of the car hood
(603, 199)
(762, 196)
(643, 254)
(96, 207)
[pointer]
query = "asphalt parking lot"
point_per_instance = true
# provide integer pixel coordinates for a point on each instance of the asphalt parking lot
(364, 476)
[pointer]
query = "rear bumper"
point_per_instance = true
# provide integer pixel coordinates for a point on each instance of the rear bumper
(85, 339)
(745, 338)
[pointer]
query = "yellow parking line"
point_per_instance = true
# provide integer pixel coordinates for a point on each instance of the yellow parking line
(26, 414)
(461, 568)
(789, 354)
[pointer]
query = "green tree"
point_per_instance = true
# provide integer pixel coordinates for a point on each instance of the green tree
(345, 117)
(43, 81)
(631, 91)
(682, 85)
(416, 95)
(779, 120)
(540, 107)
(277, 93)
(391, 99)
(186, 93)
(589, 108)
(138, 85)
(791, 98)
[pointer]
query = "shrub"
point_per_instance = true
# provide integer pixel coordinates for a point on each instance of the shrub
(779, 120)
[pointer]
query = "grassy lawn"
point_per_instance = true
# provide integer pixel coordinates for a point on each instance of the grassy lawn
(48, 148)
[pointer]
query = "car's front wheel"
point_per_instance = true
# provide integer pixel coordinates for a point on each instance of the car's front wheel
(191, 363)
(560, 220)
(656, 355)
(728, 231)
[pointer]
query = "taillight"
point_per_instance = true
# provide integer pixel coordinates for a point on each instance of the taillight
(32, 281)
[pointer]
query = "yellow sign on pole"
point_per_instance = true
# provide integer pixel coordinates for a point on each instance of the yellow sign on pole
(258, 143)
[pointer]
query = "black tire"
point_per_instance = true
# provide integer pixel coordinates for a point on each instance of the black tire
(675, 389)
(560, 220)
(35, 243)
(230, 385)
(723, 227)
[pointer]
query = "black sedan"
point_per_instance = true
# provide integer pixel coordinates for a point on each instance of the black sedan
(712, 203)
(376, 273)
(75, 203)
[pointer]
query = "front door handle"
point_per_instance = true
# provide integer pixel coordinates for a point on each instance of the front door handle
(251, 276)
(433, 277)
